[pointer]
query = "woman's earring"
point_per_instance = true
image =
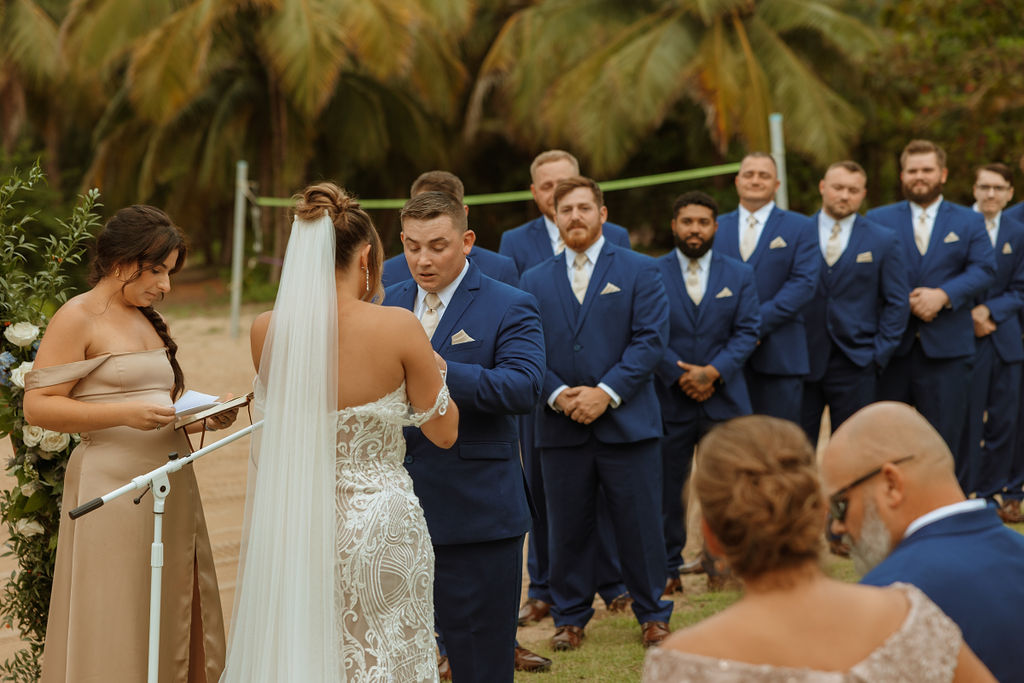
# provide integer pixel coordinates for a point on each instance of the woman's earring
(367, 271)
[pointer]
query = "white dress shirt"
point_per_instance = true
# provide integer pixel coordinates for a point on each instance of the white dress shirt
(825, 223)
(553, 235)
(445, 295)
(592, 252)
(932, 212)
(943, 512)
(703, 269)
(761, 215)
(993, 234)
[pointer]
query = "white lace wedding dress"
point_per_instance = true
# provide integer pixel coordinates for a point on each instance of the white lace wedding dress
(385, 572)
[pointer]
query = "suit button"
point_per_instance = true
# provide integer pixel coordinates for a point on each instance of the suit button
(576, 347)
(408, 459)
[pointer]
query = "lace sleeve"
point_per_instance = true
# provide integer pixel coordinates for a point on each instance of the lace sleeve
(440, 407)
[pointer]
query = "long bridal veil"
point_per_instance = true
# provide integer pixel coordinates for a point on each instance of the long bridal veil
(283, 628)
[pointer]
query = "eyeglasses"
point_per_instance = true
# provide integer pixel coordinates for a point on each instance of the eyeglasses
(991, 188)
(837, 502)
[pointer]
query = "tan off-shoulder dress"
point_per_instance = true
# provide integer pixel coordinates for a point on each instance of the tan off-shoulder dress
(99, 609)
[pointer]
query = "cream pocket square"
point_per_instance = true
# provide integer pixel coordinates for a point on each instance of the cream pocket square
(1007, 249)
(461, 337)
(610, 289)
(777, 243)
(864, 257)
(950, 238)
(724, 293)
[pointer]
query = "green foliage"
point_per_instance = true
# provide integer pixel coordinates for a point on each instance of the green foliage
(31, 508)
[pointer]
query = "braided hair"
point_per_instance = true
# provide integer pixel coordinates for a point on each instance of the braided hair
(140, 237)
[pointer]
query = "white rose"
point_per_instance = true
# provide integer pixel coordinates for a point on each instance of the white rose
(54, 442)
(28, 489)
(21, 334)
(32, 435)
(28, 527)
(18, 374)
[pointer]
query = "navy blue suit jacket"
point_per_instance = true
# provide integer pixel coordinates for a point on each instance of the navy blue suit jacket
(722, 332)
(785, 265)
(475, 491)
(1016, 212)
(529, 244)
(972, 567)
(959, 260)
(617, 337)
(1005, 298)
(491, 263)
(862, 301)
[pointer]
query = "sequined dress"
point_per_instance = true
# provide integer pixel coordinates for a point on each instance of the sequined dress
(924, 650)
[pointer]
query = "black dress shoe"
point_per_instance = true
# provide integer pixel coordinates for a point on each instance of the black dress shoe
(530, 662)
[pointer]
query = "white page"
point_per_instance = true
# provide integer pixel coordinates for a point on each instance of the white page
(193, 401)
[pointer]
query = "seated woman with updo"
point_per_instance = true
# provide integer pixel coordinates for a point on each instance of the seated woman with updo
(764, 514)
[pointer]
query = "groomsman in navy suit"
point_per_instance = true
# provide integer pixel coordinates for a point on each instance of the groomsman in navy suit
(988, 442)
(949, 262)
(781, 247)
(491, 264)
(528, 245)
(605, 318)
(713, 326)
(474, 495)
(859, 312)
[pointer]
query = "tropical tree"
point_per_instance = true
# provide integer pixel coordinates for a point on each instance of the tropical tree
(599, 75)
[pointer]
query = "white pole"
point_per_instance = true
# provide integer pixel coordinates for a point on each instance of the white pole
(238, 244)
(160, 488)
(779, 155)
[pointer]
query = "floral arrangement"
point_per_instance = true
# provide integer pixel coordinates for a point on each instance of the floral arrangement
(34, 282)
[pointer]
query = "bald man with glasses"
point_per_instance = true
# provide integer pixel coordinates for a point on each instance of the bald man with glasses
(894, 496)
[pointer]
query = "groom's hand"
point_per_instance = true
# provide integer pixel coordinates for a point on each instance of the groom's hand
(588, 405)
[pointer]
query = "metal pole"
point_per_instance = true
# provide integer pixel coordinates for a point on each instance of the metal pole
(779, 154)
(238, 243)
(160, 488)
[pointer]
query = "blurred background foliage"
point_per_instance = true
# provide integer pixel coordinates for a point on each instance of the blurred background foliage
(155, 101)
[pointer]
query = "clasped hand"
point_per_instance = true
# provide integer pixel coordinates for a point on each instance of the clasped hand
(983, 323)
(926, 302)
(583, 404)
(698, 381)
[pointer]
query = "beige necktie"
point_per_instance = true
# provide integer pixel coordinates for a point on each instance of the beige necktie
(430, 316)
(749, 241)
(832, 252)
(559, 245)
(693, 281)
(990, 225)
(921, 233)
(580, 278)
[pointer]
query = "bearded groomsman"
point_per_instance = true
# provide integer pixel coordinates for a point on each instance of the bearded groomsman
(781, 248)
(988, 442)
(605, 319)
(949, 262)
(713, 327)
(860, 309)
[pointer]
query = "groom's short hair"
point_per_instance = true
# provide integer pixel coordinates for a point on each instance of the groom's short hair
(428, 205)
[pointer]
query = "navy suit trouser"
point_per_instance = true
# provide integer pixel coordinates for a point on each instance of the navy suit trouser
(775, 395)
(630, 475)
(845, 388)
(677, 448)
(476, 604)
(988, 440)
(937, 387)
(1014, 488)
(609, 575)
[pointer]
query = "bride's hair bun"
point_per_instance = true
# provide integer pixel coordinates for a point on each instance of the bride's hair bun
(757, 482)
(353, 228)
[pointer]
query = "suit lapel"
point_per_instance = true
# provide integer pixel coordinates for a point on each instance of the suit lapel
(853, 248)
(727, 237)
(938, 229)
(463, 297)
(406, 295)
(713, 288)
(539, 239)
(596, 284)
(563, 288)
(767, 235)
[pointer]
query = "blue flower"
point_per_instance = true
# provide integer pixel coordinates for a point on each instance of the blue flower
(7, 359)
(5, 376)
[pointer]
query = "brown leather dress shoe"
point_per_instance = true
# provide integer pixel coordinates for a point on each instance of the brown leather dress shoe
(533, 610)
(1010, 512)
(620, 603)
(444, 669)
(672, 585)
(531, 661)
(693, 567)
(654, 632)
(567, 638)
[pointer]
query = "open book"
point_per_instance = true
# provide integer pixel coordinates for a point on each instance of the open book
(194, 406)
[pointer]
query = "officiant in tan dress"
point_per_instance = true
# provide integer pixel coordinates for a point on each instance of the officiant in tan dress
(106, 369)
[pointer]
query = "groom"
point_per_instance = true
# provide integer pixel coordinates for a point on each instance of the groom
(473, 496)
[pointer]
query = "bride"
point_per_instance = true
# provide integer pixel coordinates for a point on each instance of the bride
(336, 569)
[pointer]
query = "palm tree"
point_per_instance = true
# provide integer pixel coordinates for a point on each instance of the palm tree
(598, 75)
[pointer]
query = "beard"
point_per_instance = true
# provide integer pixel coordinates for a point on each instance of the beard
(922, 196)
(875, 541)
(691, 251)
(581, 241)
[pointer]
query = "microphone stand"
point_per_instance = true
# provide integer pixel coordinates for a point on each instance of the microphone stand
(158, 481)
